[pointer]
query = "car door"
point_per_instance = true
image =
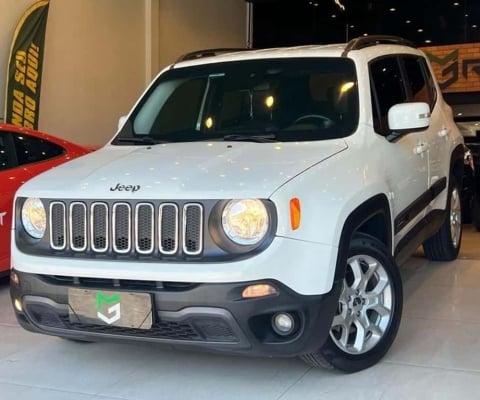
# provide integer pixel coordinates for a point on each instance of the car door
(11, 177)
(406, 158)
(421, 88)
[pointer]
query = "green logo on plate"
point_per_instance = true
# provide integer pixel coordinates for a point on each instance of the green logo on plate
(113, 311)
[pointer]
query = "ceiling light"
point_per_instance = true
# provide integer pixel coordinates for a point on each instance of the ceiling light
(408, 21)
(353, 26)
(428, 41)
(456, 4)
(393, 9)
(475, 26)
(334, 16)
(365, 34)
(419, 30)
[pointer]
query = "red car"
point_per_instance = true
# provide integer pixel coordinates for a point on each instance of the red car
(25, 153)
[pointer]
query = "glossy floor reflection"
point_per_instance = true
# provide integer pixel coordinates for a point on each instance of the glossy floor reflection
(435, 355)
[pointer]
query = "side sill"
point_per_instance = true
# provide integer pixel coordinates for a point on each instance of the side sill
(427, 227)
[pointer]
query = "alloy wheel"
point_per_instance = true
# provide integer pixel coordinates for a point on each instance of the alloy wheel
(365, 306)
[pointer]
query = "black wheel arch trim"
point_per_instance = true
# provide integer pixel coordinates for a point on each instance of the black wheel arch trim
(376, 205)
(456, 161)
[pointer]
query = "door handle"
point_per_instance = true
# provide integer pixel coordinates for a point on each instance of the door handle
(420, 148)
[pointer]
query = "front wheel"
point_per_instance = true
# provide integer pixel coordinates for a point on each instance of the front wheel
(369, 309)
(445, 244)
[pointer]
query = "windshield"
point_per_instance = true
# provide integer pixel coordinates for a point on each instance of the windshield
(260, 100)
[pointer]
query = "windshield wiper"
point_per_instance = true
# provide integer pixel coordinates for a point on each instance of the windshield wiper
(139, 140)
(251, 138)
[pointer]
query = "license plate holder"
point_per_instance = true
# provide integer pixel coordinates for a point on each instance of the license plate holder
(110, 308)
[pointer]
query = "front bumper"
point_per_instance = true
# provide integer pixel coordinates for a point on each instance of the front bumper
(211, 316)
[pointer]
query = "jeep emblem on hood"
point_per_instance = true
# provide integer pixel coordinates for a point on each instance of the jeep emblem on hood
(125, 188)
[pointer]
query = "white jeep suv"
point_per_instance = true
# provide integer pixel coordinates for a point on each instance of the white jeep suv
(253, 202)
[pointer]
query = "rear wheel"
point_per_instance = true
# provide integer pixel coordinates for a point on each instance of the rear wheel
(445, 244)
(369, 310)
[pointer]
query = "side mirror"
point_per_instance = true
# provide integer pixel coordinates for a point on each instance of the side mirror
(408, 116)
(121, 121)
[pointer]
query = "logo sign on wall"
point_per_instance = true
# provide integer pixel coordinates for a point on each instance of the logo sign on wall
(457, 67)
(22, 100)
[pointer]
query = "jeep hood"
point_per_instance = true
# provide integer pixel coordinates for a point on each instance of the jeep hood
(193, 170)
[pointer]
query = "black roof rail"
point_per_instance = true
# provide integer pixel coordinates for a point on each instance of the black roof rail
(208, 53)
(372, 40)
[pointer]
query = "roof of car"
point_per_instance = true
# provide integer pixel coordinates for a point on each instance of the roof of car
(330, 50)
(374, 44)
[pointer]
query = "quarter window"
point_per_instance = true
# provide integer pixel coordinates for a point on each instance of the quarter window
(417, 84)
(31, 150)
(430, 82)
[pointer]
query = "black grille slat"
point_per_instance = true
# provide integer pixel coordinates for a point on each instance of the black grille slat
(124, 228)
(161, 330)
(122, 225)
(192, 232)
(78, 226)
(193, 329)
(144, 228)
(99, 226)
(168, 225)
(45, 316)
(58, 229)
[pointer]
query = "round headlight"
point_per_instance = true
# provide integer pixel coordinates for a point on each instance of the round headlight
(245, 221)
(34, 219)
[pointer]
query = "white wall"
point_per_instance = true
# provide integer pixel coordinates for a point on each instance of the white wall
(187, 25)
(10, 13)
(101, 54)
(93, 67)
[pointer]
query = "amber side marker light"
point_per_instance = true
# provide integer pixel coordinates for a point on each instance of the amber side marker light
(259, 290)
(295, 213)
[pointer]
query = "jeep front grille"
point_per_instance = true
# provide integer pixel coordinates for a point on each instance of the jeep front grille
(122, 228)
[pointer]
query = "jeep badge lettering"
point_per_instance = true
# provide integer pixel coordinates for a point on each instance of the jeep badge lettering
(125, 188)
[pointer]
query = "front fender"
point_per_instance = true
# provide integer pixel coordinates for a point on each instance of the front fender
(327, 202)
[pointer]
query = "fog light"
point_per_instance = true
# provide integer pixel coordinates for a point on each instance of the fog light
(18, 305)
(283, 323)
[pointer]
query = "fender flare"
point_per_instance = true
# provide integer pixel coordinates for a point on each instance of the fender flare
(376, 205)
(456, 158)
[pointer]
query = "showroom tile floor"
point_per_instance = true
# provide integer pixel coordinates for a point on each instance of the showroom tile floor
(436, 355)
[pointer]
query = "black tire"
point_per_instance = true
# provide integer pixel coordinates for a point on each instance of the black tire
(444, 245)
(467, 208)
(476, 213)
(374, 302)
